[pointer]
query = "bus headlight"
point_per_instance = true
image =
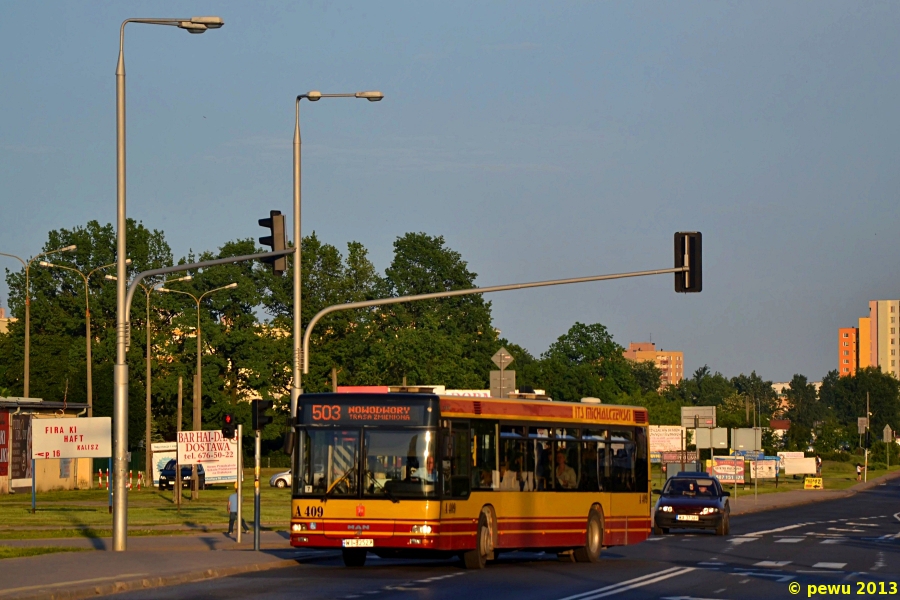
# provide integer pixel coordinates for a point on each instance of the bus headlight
(299, 527)
(421, 529)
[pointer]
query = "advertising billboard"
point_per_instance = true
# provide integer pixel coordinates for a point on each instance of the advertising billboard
(666, 438)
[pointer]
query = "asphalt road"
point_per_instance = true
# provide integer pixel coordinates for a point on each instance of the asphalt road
(852, 542)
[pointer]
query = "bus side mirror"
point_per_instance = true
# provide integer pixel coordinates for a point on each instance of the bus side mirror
(288, 447)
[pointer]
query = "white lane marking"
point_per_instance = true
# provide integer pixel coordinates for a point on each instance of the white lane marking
(847, 530)
(835, 540)
(878, 563)
(792, 540)
(53, 585)
(780, 577)
(779, 529)
(710, 563)
(859, 524)
(829, 565)
(772, 563)
(631, 584)
(653, 539)
(742, 540)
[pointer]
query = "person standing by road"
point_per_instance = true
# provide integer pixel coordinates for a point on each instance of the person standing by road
(858, 472)
(232, 513)
(818, 465)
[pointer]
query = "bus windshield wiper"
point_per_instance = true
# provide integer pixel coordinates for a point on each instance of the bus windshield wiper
(338, 481)
(387, 492)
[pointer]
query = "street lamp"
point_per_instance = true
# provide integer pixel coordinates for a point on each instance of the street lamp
(27, 266)
(313, 96)
(120, 373)
(198, 389)
(87, 322)
(148, 467)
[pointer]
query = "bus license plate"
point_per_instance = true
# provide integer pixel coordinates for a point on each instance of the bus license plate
(359, 543)
(687, 518)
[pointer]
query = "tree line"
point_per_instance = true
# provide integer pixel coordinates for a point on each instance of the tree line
(246, 343)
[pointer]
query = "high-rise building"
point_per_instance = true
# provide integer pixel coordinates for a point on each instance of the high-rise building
(848, 338)
(670, 363)
(883, 335)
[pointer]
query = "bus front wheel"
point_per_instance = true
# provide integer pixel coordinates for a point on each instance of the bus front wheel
(593, 542)
(353, 557)
(484, 545)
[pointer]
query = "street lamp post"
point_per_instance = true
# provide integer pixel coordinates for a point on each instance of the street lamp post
(120, 374)
(27, 266)
(87, 323)
(198, 375)
(148, 466)
(313, 96)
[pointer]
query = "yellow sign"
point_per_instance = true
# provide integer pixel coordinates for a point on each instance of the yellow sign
(813, 483)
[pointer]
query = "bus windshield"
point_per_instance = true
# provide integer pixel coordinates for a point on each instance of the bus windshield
(400, 464)
(397, 463)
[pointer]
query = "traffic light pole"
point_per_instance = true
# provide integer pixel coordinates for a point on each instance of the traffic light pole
(240, 481)
(256, 519)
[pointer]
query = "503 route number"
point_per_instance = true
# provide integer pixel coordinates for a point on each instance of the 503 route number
(326, 412)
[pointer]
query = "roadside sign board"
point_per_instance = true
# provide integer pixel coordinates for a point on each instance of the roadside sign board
(800, 466)
(763, 469)
(813, 483)
(888, 435)
(666, 438)
(862, 423)
(71, 438)
(786, 455)
(746, 438)
(163, 452)
(727, 469)
(705, 416)
(210, 449)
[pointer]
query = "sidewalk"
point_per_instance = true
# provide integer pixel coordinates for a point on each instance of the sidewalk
(150, 562)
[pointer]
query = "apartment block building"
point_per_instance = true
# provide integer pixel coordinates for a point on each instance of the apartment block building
(848, 338)
(671, 363)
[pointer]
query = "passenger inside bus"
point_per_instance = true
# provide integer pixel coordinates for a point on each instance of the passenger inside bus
(565, 475)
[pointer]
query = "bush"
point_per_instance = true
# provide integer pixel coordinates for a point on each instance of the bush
(837, 456)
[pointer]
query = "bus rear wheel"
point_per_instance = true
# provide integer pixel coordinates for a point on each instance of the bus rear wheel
(593, 542)
(353, 557)
(484, 545)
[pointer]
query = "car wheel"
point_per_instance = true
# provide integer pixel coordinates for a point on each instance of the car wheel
(593, 542)
(280, 483)
(660, 530)
(722, 527)
(353, 557)
(484, 544)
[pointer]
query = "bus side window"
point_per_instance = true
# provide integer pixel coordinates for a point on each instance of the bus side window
(484, 455)
(590, 460)
(641, 472)
(566, 460)
(455, 464)
(621, 449)
(514, 455)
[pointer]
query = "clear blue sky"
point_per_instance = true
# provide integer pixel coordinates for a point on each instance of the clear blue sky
(543, 140)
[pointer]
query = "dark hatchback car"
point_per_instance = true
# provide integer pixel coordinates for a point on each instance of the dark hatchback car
(692, 501)
(167, 476)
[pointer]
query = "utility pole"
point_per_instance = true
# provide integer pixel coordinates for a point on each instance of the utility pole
(256, 519)
(195, 479)
(866, 468)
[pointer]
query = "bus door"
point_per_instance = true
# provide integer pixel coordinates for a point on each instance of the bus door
(455, 459)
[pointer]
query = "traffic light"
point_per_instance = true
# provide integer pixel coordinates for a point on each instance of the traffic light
(275, 241)
(688, 253)
(868, 439)
(228, 426)
(260, 419)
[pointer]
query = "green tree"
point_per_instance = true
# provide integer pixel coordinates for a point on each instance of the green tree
(803, 410)
(647, 375)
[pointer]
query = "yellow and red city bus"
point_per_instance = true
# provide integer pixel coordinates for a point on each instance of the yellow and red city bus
(418, 475)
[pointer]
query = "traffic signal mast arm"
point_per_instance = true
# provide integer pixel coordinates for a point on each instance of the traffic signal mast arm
(484, 290)
(132, 287)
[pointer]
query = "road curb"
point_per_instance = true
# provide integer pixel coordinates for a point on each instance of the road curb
(147, 583)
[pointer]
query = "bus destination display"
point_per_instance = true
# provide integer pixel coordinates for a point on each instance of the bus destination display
(373, 414)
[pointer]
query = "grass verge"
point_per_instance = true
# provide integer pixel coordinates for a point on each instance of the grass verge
(11, 552)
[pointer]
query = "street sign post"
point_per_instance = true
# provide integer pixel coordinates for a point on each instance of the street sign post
(703, 417)
(862, 423)
(502, 358)
(888, 437)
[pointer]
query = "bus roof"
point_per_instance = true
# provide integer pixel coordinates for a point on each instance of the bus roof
(543, 410)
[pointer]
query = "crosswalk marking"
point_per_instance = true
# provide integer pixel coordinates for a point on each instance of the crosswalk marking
(772, 563)
(742, 540)
(837, 540)
(789, 540)
(829, 565)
